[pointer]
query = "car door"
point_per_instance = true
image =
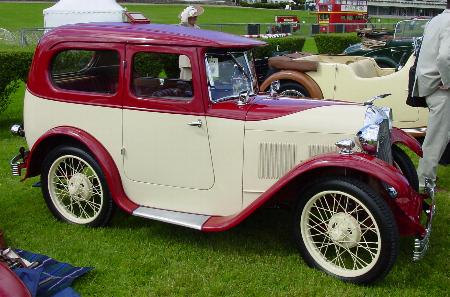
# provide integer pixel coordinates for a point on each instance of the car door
(165, 135)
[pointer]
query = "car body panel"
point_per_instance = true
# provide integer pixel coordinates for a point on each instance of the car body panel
(156, 164)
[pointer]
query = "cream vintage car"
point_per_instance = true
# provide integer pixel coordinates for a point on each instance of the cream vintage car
(350, 78)
(110, 122)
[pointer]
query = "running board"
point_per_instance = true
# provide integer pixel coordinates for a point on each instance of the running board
(190, 220)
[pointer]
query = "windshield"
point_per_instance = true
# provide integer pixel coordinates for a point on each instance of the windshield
(410, 28)
(230, 74)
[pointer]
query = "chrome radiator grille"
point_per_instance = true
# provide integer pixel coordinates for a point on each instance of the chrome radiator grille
(384, 150)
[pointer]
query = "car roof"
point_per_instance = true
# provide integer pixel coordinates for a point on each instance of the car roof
(147, 34)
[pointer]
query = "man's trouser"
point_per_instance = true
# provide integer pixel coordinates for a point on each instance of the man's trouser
(437, 137)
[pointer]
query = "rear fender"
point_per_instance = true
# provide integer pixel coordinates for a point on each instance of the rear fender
(74, 136)
(398, 136)
(406, 207)
(305, 80)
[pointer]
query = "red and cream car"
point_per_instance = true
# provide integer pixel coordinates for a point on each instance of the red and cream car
(166, 123)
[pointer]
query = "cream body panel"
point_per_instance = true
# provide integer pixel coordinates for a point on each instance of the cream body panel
(162, 149)
(309, 132)
(224, 198)
(103, 123)
(325, 120)
(350, 87)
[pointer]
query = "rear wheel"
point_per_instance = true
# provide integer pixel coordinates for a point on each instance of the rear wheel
(75, 188)
(293, 89)
(341, 226)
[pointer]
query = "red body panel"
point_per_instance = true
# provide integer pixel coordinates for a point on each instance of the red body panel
(102, 156)
(10, 284)
(408, 203)
(263, 107)
(399, 136)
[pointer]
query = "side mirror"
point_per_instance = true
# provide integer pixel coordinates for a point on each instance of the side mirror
(274, 88)
(371, 101)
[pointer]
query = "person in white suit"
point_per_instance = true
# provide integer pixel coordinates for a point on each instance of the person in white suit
(433, 83)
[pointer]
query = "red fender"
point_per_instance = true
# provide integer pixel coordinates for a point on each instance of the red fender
(102, 156)
(408, 201)
(400, 136)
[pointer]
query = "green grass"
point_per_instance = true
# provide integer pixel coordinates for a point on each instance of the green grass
(14, 16)
(138, 257)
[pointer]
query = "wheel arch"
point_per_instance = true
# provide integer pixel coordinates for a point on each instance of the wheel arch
(71, 136)
(399, 136)
(302, 78)
(358, 165)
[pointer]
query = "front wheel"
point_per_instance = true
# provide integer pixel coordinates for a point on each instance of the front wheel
(341, 226)
(75, 188)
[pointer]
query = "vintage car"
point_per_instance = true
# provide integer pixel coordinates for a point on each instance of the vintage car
(166, 123)
(351, 78)
(390, 50)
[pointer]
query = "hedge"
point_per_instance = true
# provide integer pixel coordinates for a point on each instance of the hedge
(14, 66)
(288, 44)
(334, 43)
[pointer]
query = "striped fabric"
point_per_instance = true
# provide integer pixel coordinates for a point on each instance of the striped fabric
(54, 276)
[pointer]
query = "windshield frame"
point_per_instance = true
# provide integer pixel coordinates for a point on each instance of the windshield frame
(248, 71)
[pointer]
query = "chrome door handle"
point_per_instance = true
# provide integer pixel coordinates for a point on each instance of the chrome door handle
(197, 123)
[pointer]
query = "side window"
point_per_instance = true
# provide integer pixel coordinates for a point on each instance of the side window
(86, 71)
(158, 75)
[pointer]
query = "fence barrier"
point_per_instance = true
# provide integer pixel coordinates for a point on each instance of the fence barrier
(31, 36)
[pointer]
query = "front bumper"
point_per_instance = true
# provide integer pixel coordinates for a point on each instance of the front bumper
(18, 162)
(422, 243)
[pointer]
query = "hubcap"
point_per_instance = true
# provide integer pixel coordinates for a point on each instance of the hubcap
(344, 230)
(80, 187)
(75, 189)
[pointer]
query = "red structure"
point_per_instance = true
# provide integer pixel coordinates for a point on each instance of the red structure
(334, 15)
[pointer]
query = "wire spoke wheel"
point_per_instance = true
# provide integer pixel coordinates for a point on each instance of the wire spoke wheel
(340, 233)
(293, 94)
(345, 228)
(75, 189)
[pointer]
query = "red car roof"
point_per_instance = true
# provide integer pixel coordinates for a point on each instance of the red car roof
(146, 34)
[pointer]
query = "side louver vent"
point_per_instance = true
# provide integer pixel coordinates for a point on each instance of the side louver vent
(318, 149)
(275, 159)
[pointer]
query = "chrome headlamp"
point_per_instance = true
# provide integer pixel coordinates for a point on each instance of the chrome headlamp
(369, 134)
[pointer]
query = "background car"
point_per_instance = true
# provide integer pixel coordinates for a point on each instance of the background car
(387, 49)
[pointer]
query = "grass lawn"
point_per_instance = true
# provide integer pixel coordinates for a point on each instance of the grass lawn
(14, 16)
(138, 257)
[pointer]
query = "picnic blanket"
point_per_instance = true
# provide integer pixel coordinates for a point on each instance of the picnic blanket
(50, 277)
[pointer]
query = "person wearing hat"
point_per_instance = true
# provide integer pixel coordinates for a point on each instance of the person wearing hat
(188, 18)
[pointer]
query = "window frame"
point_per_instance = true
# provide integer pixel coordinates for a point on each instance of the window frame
(161, 104)
(50, 72)
(50, 91)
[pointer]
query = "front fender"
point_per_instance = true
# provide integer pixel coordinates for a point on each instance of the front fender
(408, 202)
(399, 136)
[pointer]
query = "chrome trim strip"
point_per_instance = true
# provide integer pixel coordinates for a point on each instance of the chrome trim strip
(415, 131)
(190, 220)
(15, 165)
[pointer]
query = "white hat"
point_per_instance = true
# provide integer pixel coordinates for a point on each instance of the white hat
(190, 11)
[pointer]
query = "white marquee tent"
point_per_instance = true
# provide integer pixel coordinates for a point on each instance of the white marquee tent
(82, 11)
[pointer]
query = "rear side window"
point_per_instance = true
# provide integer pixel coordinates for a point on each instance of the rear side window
(86, 71)
(164, 76)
